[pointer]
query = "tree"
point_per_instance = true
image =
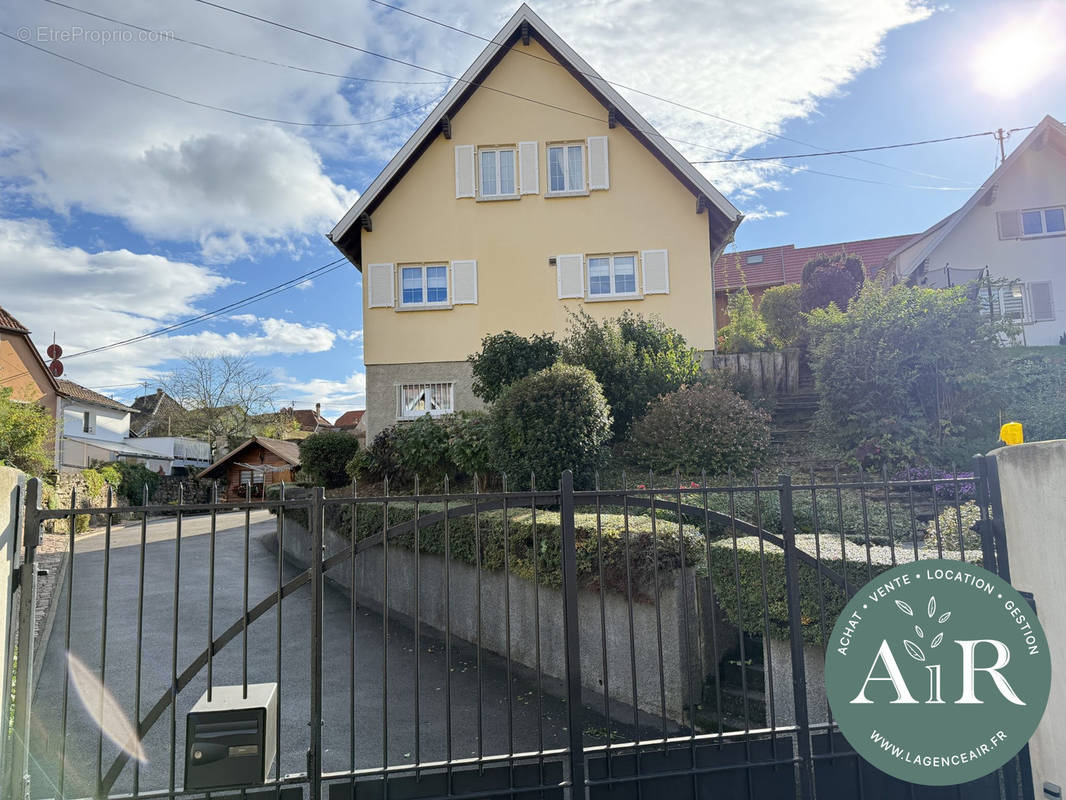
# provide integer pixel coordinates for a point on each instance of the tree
(746, 331)
(634, 359)
(780, 310)
(223, 394)
(324, 457)
(506, 357)
(831, 279)
(26, 431)
(907, 373)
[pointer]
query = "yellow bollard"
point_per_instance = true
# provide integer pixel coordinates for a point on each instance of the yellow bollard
(1011, 433)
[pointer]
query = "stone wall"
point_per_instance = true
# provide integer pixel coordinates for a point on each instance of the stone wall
(60, 494)
(774, 372)
(191, 489)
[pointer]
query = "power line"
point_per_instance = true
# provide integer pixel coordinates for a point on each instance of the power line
(851, 150)
(650, 95)
(237, 304)
(169, 36)
(199, 104)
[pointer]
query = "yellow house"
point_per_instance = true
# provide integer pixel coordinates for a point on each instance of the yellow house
(532, 190)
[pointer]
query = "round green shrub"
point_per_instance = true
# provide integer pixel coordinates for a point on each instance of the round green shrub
(324, 456)
(548, 422)
(506, 357)
(780, 309)
(831, 279)
(469, 451)
(701, 428)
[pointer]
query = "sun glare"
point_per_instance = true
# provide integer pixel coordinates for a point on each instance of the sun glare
(1017, 57)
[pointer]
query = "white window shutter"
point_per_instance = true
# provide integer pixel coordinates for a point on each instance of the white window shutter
(656, 268)
(464, 283)
(464, 170)
(381, 285)
(1010, 226)
(599, 170)
(571, 275)
(1042, 301)
(528, 168)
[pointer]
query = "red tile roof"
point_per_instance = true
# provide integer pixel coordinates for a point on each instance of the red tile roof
(9, 323)
(784, 263)
(349, 419)
(308, 419)
(78, 392)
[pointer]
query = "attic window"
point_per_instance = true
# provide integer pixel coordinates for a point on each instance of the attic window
(1043, 221)
(753, 260)
(497, 173)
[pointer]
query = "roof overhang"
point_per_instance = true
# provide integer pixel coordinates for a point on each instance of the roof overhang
(723, 215)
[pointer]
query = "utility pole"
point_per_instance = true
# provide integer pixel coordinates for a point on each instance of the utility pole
(1001, 136)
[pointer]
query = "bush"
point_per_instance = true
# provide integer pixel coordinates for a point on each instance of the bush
(132, 480)
(380, 460)
(506, 357)
(831, 279)
(1037, 377)
(548, 422)
(634, 359)
(422, 450)
(746, 331)
(906, 374)
(469, 451)
(947, 523)
(767, 568)
(701, 428)
(324, 456)
(25, 432)
(780, 310)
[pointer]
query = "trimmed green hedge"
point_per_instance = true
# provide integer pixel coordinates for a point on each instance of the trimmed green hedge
(748, 613)
(546, 557)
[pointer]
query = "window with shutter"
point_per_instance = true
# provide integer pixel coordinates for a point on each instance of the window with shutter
(656, 268)
(464, 170)
(464, 282)
(381, 285)
(1009, 224)
(599, 170)
(1042, 300)
(570, 275)
(528, 168)
(566, 169)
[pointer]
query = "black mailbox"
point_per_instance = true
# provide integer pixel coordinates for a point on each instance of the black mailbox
(230, 739)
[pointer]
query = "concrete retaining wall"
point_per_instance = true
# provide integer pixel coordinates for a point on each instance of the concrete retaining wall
(1032, 477)
(772, 372)
(12, 489)
(777, 658)
(680, 653)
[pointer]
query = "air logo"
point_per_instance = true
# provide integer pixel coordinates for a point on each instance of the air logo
(937, 672)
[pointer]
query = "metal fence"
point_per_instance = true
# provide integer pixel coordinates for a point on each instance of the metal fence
(623, 642)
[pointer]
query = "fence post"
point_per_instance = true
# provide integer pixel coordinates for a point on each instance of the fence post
(575, 723)
(314, 753)
(988, 539)
(995, 497)
(31, 538)
(795, 630)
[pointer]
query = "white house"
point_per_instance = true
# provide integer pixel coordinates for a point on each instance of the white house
(183, 455)
(1012, 229)
(93, 428)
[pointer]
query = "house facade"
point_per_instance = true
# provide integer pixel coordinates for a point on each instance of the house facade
(254, 465)
(1012, 230)
(532, 191)
(775, 266)
(94, 428)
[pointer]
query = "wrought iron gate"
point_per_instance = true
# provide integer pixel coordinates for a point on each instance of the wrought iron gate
(521, 642)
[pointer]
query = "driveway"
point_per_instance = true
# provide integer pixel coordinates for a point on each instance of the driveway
(263, 663)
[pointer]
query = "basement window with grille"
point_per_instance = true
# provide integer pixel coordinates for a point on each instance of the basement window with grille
(414, 400)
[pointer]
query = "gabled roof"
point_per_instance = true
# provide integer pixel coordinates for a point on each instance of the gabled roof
(784, 263)
(345, 235)
(289, 452)
(307, 418)
(9, 323)
(77, 392)
(1048, 132)
(349, 419)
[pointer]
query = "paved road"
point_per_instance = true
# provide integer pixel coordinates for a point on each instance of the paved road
(120, 671)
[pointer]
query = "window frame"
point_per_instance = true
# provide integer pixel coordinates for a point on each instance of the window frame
(425, 303)
(496, 150)
(1042, 211)
(591, 296)
(88, 422)
(583, 191)
(403, 413)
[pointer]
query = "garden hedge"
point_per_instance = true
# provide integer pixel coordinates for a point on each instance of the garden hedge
(748, 615)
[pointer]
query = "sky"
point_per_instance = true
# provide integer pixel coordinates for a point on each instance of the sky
(123, 211)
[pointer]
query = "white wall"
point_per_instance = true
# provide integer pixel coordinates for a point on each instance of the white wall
(1037, 179)
(111, 424)
(1034, 517)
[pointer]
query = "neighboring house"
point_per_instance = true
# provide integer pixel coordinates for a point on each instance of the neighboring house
(23, 370)
(154, 414)
(1013, 230)
(533, 190)
(183, 455)
(353, 422)
(308, 420)
(775, 266)
(94, 428)
(257, 462)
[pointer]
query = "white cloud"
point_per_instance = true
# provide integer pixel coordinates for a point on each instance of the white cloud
(92, 299)
(336, 396)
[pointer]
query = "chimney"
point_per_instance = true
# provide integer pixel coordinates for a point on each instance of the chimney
(318, 409)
